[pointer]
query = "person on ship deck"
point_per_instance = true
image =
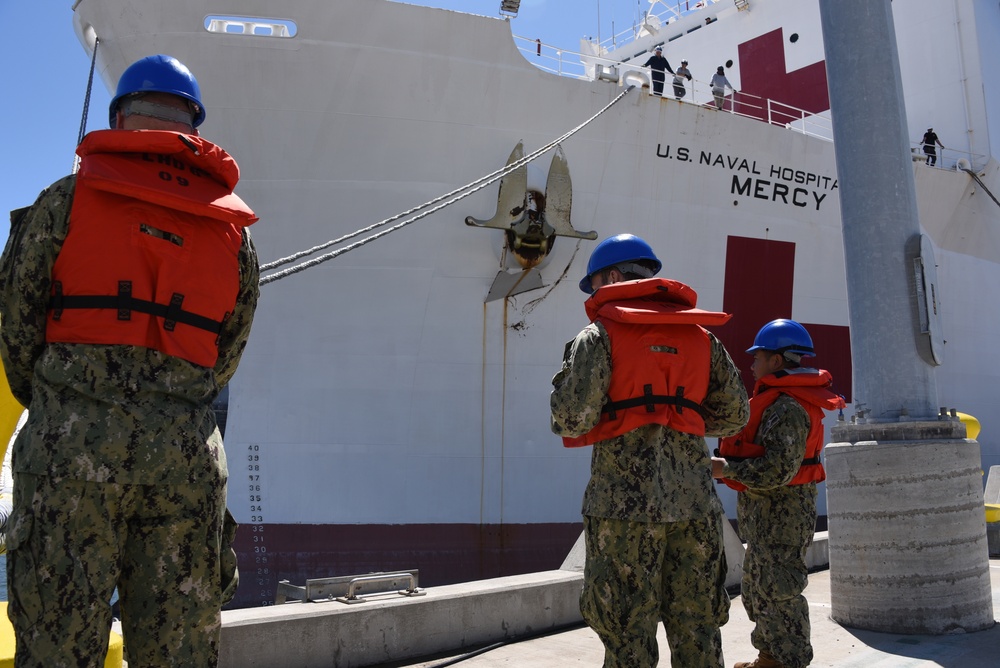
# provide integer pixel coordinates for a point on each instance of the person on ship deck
(719, 84)
(682, 73)
(928, 141)
(657, 64)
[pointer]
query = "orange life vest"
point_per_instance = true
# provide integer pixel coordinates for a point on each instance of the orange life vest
(660, 357)
(809, 387)
(151, 255)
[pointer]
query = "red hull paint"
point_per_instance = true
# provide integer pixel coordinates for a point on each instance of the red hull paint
(763, 73)
(758, 289)
(444, 553)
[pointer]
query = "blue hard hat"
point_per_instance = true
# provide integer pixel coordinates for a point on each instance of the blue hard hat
(783, 336)
(617, 249)
(159, 74)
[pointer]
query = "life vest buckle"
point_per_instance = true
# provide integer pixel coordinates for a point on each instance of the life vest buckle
(57, 300)
(222, 326)
(647, 393)
(173, 311)
(124, 300)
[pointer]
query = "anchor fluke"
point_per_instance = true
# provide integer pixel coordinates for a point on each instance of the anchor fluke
(508, 284)
(532, 219)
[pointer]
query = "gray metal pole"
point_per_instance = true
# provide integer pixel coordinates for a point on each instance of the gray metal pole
(879, 209)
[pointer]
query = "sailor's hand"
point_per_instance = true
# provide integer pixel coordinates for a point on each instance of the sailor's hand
(717, 464)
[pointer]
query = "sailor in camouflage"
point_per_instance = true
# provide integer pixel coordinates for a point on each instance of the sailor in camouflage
(120, 472)
(774, 464)
(652, 519)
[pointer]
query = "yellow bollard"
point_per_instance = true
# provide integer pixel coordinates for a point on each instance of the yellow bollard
(10, 412)
(116, 647)
(971, 425)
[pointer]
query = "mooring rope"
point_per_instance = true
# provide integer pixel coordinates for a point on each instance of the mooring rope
(86, 104)
(455, 195)
(983, 185)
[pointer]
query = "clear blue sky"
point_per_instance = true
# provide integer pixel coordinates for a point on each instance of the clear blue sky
(45, 73)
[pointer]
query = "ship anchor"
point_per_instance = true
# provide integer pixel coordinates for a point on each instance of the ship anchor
(531, 221)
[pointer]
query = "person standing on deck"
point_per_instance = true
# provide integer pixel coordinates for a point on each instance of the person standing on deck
(719, 85)
(929, 140)
(657, 64)
(774, 464)
(644, 384)
(682, 73)
(127, 294)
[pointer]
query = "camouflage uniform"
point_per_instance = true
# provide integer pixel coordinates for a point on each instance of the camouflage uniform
(652, 519)
(777, 521)
(120, 474)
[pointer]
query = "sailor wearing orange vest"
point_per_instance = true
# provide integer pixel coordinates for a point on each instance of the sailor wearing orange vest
(644, 383)
(775, 464)
(127, 293)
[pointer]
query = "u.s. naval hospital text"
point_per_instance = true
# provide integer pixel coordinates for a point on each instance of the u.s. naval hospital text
(775, 183)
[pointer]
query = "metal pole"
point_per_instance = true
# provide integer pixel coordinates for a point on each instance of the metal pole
(879, 209)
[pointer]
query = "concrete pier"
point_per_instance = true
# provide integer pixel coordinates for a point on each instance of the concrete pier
(532, 621)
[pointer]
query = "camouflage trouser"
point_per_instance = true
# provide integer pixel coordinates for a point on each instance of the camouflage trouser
(638, 574)
(71, 542)
(773, 579)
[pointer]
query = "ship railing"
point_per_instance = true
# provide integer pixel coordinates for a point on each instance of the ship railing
(552, 59)
(949, 158)
(663, 22)
(820, 125)
(571, 64)
(778, 113)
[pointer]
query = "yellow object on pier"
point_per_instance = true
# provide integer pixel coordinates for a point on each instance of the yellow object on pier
(992, 512)
(116, 647)
(10, 412)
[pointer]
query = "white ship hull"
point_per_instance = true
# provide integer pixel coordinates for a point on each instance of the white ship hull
(386, 415)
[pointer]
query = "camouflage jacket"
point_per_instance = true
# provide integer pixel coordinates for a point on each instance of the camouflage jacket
(124, 414)
(653, 473)
(769, 510)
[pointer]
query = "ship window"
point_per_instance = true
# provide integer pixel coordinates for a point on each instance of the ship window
(245, 25)
(794, 38)
(729, 64)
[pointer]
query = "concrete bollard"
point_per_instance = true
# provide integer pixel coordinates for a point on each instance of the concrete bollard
(908, 549)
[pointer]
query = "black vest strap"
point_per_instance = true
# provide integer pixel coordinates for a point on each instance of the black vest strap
(124, 304)
(812, 461)
(650, 401)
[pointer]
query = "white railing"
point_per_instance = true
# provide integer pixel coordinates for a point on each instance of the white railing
(949, 158)
(572, 64)
(569, 64)
(654, 20)
(550, 58)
